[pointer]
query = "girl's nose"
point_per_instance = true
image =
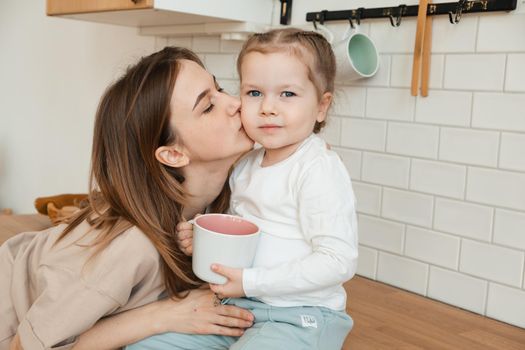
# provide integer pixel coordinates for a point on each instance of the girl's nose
(267, 107)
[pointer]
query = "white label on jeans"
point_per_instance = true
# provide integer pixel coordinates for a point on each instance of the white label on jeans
(308, 321)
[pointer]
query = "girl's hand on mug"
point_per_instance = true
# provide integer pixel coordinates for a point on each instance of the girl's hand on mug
(185, 237)
(233, 287)
(199, 313)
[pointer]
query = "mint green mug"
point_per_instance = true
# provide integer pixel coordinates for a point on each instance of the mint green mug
(355, 53)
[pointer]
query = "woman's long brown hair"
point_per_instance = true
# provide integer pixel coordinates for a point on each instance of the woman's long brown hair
(128, 186)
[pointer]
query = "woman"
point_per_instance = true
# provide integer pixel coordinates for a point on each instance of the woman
(165, 139)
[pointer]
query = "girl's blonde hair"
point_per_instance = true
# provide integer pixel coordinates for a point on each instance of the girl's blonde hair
(310, 47)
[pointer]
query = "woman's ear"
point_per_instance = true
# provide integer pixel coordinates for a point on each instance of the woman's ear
(324, 104)
(171, 156)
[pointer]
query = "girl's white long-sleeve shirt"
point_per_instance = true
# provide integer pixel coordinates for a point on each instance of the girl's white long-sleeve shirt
(305, 208)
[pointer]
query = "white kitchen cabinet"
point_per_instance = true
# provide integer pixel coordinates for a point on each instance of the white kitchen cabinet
(165, 13)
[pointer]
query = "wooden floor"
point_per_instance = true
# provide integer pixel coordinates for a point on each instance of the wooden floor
(386, 317)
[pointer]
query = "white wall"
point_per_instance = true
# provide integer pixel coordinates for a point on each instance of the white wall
(440, 181)
(52, 74)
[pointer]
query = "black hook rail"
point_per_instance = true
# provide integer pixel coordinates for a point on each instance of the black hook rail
(453, 9)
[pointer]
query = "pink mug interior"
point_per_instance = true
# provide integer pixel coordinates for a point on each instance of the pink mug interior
(226, 224)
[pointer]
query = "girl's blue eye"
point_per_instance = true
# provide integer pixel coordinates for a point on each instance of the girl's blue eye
(287, 94)
(254, 93)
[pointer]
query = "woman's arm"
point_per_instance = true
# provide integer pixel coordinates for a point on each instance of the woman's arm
(196, 314)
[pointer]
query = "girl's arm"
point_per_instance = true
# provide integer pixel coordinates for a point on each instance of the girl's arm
(332, 262)
(196, 314)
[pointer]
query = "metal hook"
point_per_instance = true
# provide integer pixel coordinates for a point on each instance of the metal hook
(454, 18)
(317, 18)
(351, 22)
(359, 15)
(392, 21)
(356, 15)
(323, 16)
(397, 21)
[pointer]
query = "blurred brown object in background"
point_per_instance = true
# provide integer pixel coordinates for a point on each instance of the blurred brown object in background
(6, 211)
(60, 207)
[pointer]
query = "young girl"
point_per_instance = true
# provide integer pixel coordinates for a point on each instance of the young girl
(298, 192)
(164, 141)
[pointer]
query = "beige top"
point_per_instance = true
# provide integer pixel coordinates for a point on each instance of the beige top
(49, 295)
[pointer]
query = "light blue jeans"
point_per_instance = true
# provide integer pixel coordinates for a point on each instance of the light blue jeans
(288, 328)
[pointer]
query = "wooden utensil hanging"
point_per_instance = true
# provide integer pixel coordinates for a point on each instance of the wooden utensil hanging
(422, 50)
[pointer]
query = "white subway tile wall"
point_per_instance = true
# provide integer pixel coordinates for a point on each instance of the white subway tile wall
(402, 71)
(448, 38)
(349, 101)
(492, 262)
(484, 72)
(233, 46)
(413, 139)
(515, 76)
(457, 289)
(364, 134)
(409, 207)
(463, 219)
(403, 272)
(445, 108)
(467, 146)
(383, 234)
(438, 178)
(182, 41)
(393, 40)
(385, 169)
(439, 181)
(351, 160)
(496, 187)
(396, 104)
(222, 65)
(509, 227)
(506, 304)
(499, 111)
(331, 133)
(369, 197)
(493, 28)
(512, 151)
(205, 44)
(367, 264)
(432, 247)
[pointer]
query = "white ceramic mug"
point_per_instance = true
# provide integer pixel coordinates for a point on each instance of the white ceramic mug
(355, 53)
(224, 239)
